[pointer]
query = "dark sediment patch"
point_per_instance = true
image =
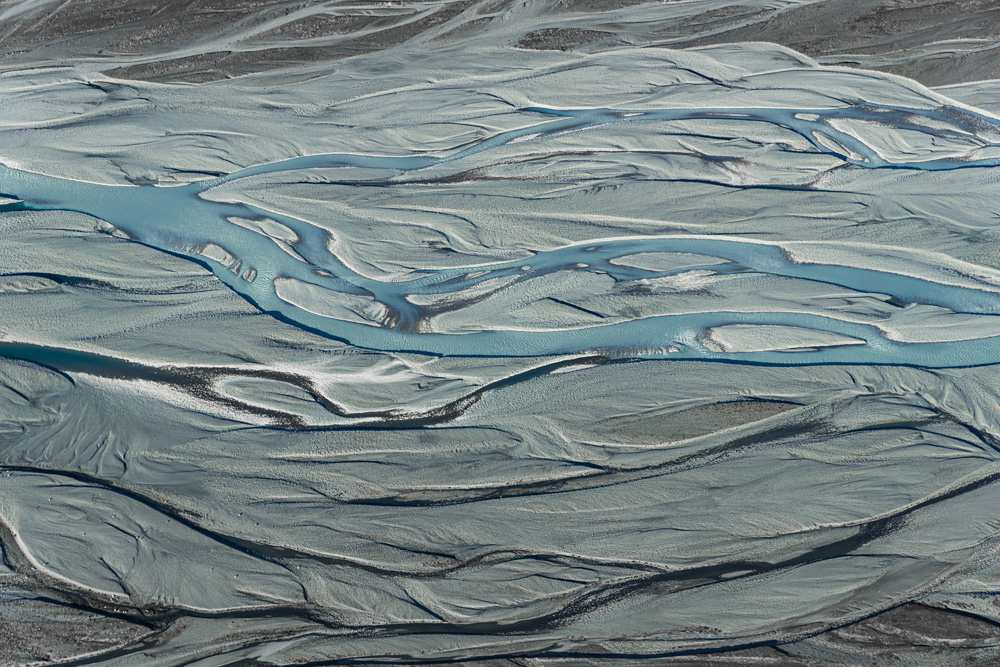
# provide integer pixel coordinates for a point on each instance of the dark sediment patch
(133, 26)
(361, 34)
(35, 631)
(561, 39)
(887, 28)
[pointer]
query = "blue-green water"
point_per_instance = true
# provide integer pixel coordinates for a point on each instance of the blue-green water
(182, 219)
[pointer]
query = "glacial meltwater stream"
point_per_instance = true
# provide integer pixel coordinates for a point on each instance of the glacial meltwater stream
(184, 220)
(376, 333)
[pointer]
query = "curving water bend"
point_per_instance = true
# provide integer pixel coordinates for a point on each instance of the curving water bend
(346, 335)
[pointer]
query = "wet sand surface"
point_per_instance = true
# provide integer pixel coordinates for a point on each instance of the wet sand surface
(484, 332)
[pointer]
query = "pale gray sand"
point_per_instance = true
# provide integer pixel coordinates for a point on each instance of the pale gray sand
(189, 475)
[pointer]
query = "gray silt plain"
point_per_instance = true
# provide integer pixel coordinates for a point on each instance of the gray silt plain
(190, 478)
